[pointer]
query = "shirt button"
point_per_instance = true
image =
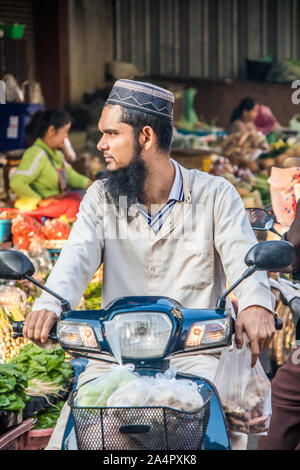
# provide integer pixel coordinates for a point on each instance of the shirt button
(153, 269)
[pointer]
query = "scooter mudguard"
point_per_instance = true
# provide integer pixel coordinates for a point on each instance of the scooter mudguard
(216, 437)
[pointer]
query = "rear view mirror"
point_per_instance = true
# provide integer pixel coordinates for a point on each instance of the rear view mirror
(260, 219)
(270, 255)
(265, 256)
(15, 265)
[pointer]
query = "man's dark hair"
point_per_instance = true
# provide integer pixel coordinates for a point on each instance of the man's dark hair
(162, 128)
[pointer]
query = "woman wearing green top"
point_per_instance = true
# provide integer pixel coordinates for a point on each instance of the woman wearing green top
(43, 175)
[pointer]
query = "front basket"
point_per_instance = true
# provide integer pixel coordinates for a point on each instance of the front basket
(140, 428)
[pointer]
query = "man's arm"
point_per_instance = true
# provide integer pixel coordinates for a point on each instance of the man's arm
(233, 238)
(80, 258)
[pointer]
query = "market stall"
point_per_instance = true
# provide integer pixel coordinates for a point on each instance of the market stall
(34, 382)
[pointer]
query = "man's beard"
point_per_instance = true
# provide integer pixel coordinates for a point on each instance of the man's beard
(128, 181)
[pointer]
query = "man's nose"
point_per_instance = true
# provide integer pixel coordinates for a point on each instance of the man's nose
(102, 144)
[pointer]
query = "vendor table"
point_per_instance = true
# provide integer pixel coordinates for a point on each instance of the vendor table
(193, 158)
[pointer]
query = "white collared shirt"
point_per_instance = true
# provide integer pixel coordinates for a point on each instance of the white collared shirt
(202, 242)
(157, 219)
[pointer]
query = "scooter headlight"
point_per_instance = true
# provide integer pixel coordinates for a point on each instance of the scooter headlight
(76, 335)
(210, 333)
(143, 334)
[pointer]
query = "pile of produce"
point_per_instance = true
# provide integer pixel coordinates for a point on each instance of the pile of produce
(26, 230)
(46, 369)
(276, 148)
(13, 307)
(253, 188)
(241, 146)
(56, 229)
(8, 213)
(13, 383)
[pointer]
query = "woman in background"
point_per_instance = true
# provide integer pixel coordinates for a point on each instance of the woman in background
(44, 175)
(243, 117)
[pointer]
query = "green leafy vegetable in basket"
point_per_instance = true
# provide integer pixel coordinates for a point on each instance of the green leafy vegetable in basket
(13, 383)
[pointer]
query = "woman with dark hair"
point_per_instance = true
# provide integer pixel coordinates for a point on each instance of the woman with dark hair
(43, 174)
(243, 116)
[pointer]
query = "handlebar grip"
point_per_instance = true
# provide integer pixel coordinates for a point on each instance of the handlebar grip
(18, 326)
(277, 321)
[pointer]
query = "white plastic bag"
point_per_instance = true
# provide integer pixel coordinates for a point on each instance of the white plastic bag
(96, 392)
(244, 391)
(161, 390)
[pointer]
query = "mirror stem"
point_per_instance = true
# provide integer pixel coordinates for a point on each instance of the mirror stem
(221, 303)
(275, 231)
(64, 303)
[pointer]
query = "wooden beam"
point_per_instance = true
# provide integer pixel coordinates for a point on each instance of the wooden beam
(52, 44)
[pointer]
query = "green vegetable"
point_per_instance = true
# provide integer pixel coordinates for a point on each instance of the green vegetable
(13, 383)
(48, 418)
(47, 365)
(92, 296)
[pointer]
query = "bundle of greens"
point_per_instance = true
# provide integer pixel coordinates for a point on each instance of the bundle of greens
(13, 383)
(44, 365)
(47, 418)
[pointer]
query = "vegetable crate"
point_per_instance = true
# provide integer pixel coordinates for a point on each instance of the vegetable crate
(38, 439)
(140, 428)
(17, 438)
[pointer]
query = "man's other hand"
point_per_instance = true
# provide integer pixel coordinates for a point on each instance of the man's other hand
(258, 324)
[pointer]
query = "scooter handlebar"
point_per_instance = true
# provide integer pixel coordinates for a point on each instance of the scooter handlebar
(18, 326)
(277, 321)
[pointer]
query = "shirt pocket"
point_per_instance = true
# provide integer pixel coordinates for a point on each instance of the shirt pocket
(196, 267)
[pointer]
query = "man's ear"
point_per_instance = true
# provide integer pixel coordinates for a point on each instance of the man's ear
(147, 138)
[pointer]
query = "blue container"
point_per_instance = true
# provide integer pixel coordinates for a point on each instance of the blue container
(202, 133)
(13, 119)
(5, 230)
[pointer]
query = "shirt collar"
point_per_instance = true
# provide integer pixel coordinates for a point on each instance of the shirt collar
(176, 193)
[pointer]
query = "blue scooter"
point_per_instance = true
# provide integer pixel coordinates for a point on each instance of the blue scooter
(151, 330)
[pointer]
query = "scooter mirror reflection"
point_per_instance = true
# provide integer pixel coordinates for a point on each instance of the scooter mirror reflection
(270, 255)
(260, 219)
(14, 265)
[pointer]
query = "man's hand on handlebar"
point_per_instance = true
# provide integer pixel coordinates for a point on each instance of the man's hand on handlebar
(258, 324)
(38, 325)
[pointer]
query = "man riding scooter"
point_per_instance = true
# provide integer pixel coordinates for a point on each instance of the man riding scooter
(159, 229)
